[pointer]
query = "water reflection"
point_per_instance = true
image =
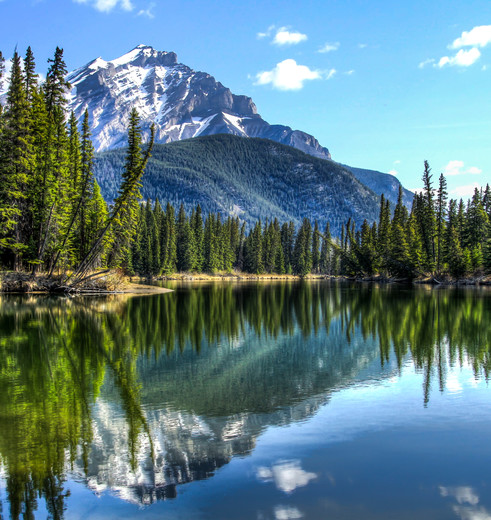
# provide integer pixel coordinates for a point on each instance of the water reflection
(286, 475)
(467, 506)
(139, 395)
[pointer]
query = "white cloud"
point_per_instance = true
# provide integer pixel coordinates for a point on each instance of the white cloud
(393, 172)
(288, 75)
(457, 168)
(287, 476)
(362, 45)
(466, 190)
(106, 6)
(350, 72)
(147, 12)
(479, 36)
(462, 59)
(285, 37)
(329, 47)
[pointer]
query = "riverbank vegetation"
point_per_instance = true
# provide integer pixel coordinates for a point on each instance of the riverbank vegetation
(55, 224)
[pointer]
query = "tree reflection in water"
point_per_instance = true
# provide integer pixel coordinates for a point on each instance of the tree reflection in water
(58, 355)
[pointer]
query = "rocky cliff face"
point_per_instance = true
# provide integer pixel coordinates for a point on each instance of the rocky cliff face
(181, 102)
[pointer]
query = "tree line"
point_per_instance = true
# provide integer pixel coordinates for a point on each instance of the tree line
(54, 218)
(437, 236)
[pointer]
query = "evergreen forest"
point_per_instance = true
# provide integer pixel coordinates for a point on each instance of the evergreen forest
(53, 217)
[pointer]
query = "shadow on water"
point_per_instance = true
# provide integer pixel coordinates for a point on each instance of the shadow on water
(176, 384)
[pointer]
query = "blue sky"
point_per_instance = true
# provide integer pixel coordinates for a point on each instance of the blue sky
(383, 84)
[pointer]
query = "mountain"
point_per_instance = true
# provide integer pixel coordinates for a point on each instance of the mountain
(181, 102)
(383, 183)
(251, 178)
(187, 104)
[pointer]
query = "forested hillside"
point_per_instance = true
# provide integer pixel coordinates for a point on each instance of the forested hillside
(249, 178)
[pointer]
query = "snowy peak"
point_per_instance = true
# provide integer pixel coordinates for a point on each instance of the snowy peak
(181, 102)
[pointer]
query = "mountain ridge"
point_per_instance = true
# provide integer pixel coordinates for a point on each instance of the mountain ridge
(182, 103)
(251, 178)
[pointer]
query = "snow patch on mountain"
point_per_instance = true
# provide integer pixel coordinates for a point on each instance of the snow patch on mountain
(181, 102)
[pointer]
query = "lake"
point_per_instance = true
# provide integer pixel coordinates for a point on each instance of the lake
(288, 400)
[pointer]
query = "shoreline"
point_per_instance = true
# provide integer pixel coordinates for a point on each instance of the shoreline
(22, 283)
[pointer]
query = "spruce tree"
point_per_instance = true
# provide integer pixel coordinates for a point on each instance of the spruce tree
(325, 256)
(428, 222)
(15, 166)
(302, 251)
(30, 76)
(122, 218)
(316, 248)
(198, 233)
(441, 206)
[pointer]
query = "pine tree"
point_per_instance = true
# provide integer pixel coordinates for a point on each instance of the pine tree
(302, 251)
(30, 76)
(155, 241)
(287, 242)
(441, 205)
(428, 222)
(168, 246)
(53, 176)
(325, 256)
(254, 250)
(198, 232)
(211, 246)
(123, 214)
(383, 237)
(15, 166)
(316, 248)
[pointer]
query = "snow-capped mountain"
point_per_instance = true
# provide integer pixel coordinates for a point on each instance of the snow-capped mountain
(181, 102)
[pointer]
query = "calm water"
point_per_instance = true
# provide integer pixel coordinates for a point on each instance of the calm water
(243, 401)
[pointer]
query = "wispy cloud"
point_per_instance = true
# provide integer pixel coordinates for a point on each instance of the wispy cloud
(289, 75)
(329, 47)
(148, 12)
(458, 168)
(282, 36)
(478, 36)
(393, 172)
(106, 6)
(429, 61)
(267, 33)
(362, 45)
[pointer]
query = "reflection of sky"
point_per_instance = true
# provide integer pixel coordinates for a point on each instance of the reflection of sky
(393, 402)
(287, 513)
(327, 456)
(467, 499)
(287, 475)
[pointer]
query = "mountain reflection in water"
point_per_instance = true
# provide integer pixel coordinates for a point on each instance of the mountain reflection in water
(141, 394)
